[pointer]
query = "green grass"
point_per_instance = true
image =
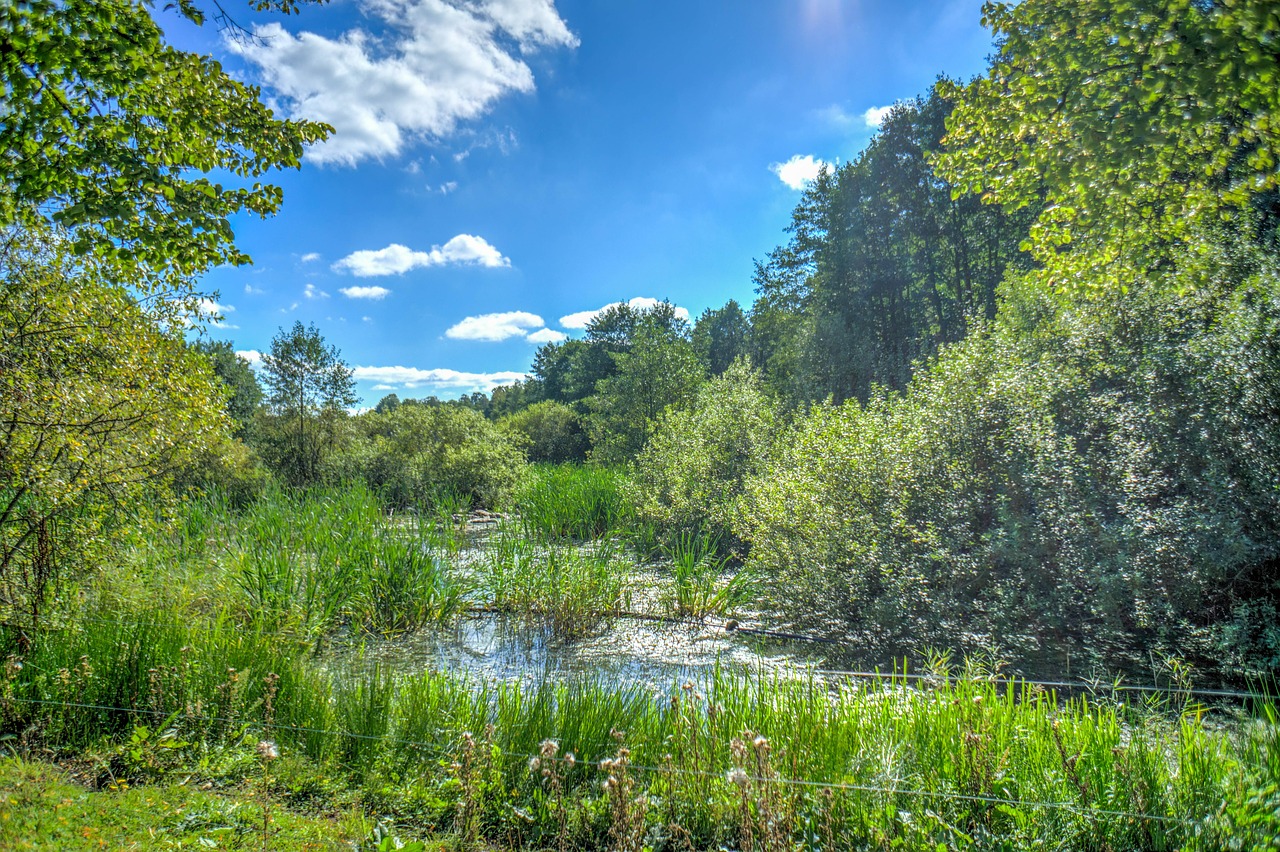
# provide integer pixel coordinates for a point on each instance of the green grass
(962, 763)
(41, 808)
(569, 501)
(571, 588)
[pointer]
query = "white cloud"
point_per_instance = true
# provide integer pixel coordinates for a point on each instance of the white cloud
(251, 290)
(366, 319)
(875, 116)
(494, 327)
(396, 259)
(214, 313)
(412, 377)
(365, 292)
(447, 187)
(439, 62)
(582, 319)
(310, 257)
(311, 292)
(546, 335)
(253, 356)
(798, 171)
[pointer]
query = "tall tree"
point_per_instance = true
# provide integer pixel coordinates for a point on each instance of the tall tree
(241, 383)
(721, 336)
(309, 388)
(885, 264)
(657, 369)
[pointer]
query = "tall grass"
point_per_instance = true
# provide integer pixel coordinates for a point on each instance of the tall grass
(960, 762)
(702, 583)
(571, 588)
(568, 501)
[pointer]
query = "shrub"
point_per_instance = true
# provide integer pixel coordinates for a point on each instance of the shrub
(550, 432)
(690, 477)
(1092, 476)
(420, 452)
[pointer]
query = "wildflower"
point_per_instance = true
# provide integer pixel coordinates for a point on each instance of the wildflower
(267, 750)
(549, 748)
(534, 764)
(570, 760)
(737, 776)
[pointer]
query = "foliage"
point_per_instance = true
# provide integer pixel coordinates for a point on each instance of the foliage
(1136, 120)
(104, 123)
(309, 388)
(885, 264)
(418, 454)
(701, 583)
(245, 394)
(98, 403)
(656, 369)
(690, 477)
(721, 336)
(1081, 479)
(550, 432)
(999, 765)
(571, 590)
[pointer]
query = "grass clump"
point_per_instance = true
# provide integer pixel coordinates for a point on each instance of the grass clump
(571, 588)
(571, 501)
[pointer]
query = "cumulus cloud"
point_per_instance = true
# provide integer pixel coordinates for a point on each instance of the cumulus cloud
(365, 292)
(582, 319)
(798, 171)
(251, 290)
(412, 377)
(253, 356)
(438, 63)
(310, 257)
(546, 335)
(875, 116)
(494, 327)
(396, 259)
(311, 292)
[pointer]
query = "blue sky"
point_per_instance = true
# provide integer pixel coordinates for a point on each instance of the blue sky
(502, 168)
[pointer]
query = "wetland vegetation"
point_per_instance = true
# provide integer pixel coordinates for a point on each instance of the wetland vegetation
(870, 565)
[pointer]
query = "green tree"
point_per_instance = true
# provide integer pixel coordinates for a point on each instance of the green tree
(690, 477)
(309, 388)
(98, 403)
(110, 132)
(721, 336)
(550, 432)
(1137, 120)
(884, 265)
(241, 382)
(421, 453)
(657, 369)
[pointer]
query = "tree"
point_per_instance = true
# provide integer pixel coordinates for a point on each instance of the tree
(721, 336)
(657, 369)
(690, 477)
(549, 431)
(97, 403)
(240, 380)
(309, 388)
(1137, 120)
(884, 265)
(112, 134)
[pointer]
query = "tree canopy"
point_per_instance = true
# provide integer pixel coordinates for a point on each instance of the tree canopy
(1133, 119)
(111, 133)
